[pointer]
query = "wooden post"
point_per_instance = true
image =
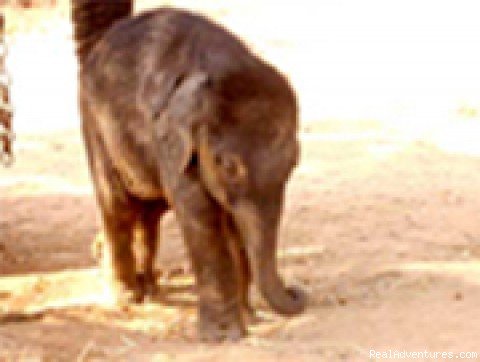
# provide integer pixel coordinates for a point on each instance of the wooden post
(6, 134)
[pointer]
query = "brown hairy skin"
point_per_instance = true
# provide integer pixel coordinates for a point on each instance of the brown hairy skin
(178, 114)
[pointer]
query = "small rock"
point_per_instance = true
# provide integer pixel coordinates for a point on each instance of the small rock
(458, 296)
(342, 301)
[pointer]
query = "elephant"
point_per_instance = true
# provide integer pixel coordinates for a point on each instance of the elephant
(178, 114)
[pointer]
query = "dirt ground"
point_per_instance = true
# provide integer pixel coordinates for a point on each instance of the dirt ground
(387, 245)
(381, 228)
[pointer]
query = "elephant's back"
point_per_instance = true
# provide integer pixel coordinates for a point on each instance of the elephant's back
(130, 75)
(165, 40)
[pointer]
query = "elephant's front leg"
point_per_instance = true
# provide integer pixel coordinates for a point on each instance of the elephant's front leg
(220, 304)
(242, 267)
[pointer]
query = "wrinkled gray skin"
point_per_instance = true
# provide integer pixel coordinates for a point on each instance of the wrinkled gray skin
(178, 114)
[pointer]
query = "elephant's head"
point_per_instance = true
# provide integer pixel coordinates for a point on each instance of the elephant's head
(240, 133)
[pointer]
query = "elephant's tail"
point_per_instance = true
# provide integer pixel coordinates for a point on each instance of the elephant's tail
(92, 18)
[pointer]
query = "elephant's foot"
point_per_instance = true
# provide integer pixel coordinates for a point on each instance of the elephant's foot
(148, 285)
(126, 294)
(144, 289)
(215, 331)
(123, 283)
(249, 315)
(218, 325)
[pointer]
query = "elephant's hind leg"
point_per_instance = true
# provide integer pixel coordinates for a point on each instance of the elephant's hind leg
(119, 214)
(118, 258)
(148, 227)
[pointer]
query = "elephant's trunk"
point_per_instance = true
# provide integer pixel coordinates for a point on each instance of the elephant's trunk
(260, 241)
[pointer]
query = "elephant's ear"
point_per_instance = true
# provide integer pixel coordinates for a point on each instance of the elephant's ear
(189, 105)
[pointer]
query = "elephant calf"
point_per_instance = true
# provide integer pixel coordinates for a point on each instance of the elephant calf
(178, 114)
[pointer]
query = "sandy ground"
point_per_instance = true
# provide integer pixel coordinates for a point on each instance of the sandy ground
(386, 243)
(381, 228)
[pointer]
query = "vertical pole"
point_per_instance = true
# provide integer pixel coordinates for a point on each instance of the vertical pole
(6, 134)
